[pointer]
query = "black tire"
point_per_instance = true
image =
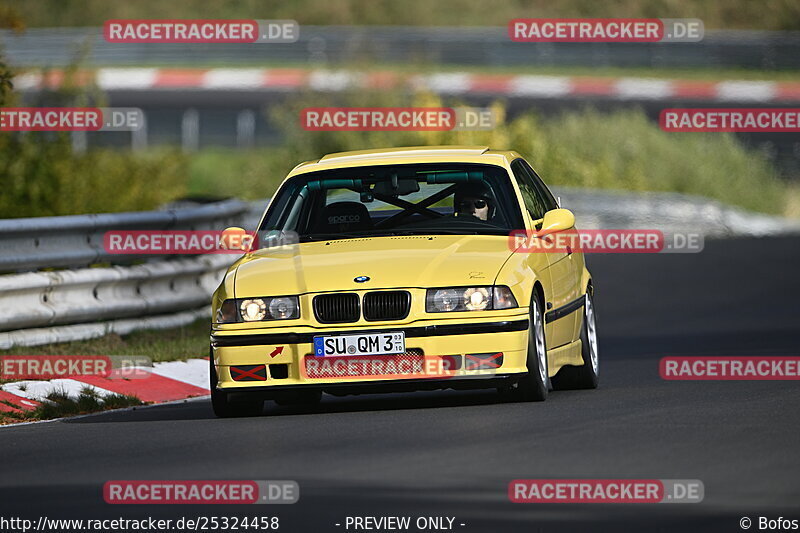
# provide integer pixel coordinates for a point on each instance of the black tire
(221, 403)
(533, 387)
(306, 398)
(585, 376)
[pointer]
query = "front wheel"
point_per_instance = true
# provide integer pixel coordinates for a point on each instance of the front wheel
(586, 375)
(534, 385)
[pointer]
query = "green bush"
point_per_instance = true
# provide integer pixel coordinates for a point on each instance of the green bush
(583, 148)
(42, 176)
(224, 172)
(626, 150)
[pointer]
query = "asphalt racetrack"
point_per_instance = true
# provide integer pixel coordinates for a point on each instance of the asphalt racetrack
(454, 453)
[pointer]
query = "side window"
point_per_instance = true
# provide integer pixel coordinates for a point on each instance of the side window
(284, 209)
(534, 202)
(549, 200)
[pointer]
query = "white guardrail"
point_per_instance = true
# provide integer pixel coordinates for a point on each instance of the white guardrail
(50, 293)
(86, 292)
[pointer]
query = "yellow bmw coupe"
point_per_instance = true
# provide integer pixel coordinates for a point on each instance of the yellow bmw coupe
(394, 270)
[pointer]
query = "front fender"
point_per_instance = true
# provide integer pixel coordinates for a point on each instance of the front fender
(224, 291)
(521, 272)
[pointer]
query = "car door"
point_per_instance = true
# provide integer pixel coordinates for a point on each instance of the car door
(561, 267)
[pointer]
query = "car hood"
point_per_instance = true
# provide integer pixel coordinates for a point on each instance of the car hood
(402, 261)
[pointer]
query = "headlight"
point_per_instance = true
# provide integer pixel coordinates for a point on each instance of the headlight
(477, 299)
(449, 299)
(439, 300)
(253, 309)
(258, 309)
(283, 308)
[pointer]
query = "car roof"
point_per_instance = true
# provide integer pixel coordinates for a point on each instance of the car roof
(405, 155)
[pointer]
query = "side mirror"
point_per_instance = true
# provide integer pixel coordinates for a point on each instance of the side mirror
(557, 220)
(235, 238)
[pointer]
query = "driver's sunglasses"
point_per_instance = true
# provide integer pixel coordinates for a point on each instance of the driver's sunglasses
(467, 204)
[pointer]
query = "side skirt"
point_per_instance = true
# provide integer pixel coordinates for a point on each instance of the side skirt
(569, 354)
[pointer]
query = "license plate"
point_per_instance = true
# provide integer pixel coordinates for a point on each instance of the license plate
(366, 344)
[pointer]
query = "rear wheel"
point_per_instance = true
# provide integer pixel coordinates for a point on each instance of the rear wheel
(534, 385)
(222, 403)
(585, 376)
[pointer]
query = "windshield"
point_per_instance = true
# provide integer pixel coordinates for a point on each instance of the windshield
(431, 199)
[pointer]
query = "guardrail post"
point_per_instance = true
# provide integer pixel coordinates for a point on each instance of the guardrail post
(79, 141)
(139, 136)
(245, 128)
(190, 130)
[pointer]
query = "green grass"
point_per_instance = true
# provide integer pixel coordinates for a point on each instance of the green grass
(58, 404)
(187, 342)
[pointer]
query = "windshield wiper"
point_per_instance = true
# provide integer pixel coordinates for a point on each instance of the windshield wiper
(440, 231)
(328, 236)
(399, 232)
(336, 236)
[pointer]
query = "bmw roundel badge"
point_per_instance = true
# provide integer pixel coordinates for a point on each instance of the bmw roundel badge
(361, 279)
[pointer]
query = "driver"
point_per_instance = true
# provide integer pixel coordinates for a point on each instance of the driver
(474, 199)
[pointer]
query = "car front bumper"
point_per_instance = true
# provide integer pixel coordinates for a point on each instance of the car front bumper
(478, 353)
